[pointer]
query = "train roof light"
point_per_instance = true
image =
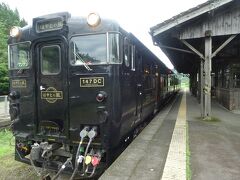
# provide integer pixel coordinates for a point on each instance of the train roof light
(93, 19)
(15, 31)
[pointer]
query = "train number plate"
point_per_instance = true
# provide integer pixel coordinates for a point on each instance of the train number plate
(19, 83)
(92, 82)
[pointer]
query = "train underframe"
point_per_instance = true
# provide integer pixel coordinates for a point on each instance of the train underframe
(85, 159)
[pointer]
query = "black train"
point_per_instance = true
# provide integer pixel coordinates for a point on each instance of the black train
(79, 86)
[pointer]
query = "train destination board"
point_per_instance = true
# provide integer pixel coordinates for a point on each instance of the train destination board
(49, 25)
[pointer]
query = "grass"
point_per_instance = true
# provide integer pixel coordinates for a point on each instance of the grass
(9, 168)
(212, 119)
(188, 154)
(6, 138)
(209, 119)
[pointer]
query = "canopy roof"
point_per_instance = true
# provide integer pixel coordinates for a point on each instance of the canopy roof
(218, 18)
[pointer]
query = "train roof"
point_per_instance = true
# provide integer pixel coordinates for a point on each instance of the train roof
(71, 26)
(76, 26)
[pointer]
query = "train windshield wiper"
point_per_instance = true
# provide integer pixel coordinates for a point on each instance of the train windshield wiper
(82, 61)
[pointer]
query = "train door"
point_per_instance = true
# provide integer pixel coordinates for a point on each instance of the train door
(51, 89)
(139, 86)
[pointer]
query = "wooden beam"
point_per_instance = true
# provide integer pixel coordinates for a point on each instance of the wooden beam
(192, 48)
(223, 45)
(176, 49)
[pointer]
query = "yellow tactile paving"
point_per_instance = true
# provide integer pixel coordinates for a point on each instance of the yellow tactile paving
(175, 166)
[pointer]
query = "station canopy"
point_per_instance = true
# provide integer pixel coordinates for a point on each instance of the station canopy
(184, 33)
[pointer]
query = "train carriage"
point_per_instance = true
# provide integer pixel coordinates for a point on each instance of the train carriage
(79, 86)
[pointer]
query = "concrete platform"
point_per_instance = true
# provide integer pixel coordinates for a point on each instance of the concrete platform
(214, 146)
(145, 157)
(4, 105)
(4, 115)
(154, 154)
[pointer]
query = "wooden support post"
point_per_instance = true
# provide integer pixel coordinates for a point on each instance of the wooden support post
(201, 88)
(199, 85)
(207, 71)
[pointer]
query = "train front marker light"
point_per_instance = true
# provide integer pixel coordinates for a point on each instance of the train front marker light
(93, 19)
(101, 96)
(15, 31)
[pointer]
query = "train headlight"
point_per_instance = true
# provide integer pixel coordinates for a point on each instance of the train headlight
(93, 19)
(15, 31)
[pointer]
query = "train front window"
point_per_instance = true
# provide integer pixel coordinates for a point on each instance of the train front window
(50, 60)
(19, 56)
(88, 50)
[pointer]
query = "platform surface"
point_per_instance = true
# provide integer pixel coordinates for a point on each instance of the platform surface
(145, 157)
(214, 146)
(4, 113)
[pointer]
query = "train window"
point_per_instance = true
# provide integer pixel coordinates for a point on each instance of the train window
(133, 57)
(90, 49)
(126, 52)
(147, 76)
(139, 62)
(19, 56)
(114, 52)
(50, 60)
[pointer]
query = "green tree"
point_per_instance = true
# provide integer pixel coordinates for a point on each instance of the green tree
(4, 80)
(8, 19)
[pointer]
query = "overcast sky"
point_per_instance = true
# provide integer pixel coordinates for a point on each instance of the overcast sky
(136, 16)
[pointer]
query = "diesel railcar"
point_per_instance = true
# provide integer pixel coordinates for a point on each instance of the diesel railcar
(78, 87)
